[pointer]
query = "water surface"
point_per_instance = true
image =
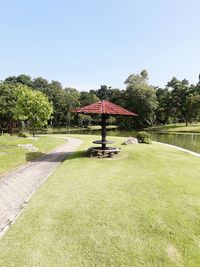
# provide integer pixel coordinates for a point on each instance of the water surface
(188, 141)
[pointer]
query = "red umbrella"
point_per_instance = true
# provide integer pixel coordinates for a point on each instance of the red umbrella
(105, 108)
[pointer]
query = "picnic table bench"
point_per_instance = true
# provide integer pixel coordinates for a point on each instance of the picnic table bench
(102, 153)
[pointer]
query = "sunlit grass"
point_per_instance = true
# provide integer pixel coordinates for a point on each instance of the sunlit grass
(179, 127)
(12, 156)
(140, 210)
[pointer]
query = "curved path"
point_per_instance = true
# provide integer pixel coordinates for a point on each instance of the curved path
(17, 186)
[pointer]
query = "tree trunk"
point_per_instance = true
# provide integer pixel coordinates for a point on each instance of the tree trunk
(175, 120)
(10, 127)
(103, 130)
(33, 131)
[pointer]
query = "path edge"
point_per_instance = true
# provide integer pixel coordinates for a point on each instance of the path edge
(7, 227)
(179, 148)
(30, 161)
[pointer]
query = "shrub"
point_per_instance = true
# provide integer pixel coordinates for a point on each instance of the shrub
(22, 134)
(143, 137)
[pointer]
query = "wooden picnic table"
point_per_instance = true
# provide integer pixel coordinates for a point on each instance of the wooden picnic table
(101, 153)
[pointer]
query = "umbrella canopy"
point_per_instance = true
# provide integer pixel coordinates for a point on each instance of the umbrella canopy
(105, 108)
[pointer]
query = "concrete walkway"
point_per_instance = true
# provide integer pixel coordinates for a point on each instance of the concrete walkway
(17, 186)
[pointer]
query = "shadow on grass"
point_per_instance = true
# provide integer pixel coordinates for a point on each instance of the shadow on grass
(30, 156)
(54, 157)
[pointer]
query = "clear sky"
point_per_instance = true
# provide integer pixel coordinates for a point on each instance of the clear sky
(86, 43)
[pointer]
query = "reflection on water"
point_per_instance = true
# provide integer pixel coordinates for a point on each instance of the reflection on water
(188, 141)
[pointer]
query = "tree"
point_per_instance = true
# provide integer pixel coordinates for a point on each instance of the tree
(7, 105)
(140, 97)
(55, 94)
(197, 87)
(64, 100)
(117, 96)
(72, 97)
(84, 120)
(141, 78)
(33, 107)
(163, 109)
(39, 83)
(193, 107)
(180, 90)
(103, 93)
(87, 98)
(22, 79)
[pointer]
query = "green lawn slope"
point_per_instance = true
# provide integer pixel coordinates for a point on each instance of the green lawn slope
(179, 127)
(12, 156)
(142, 209)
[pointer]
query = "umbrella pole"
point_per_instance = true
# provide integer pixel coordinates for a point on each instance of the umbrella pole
(103, 130)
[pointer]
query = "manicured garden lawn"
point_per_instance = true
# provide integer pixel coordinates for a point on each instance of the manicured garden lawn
(12, 156)
(142, 209)
(179, 127)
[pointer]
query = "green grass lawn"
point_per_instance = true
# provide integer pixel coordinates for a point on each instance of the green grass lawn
(142, 209)
(12, 156)
(179, 127)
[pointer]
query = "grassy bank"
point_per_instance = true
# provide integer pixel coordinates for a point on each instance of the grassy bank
(179, 127)
(12, 156)
(64, 130)
(142, 209)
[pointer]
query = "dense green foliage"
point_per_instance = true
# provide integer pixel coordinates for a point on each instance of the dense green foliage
(179, 101)
(7, 105)
(141, 98)
(19, 104)
(32, 106)
(143, 137)
(142, 209)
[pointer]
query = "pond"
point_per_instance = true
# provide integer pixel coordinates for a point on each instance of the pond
(188, 141)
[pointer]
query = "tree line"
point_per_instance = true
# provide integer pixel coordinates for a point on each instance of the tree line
(38, 102)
